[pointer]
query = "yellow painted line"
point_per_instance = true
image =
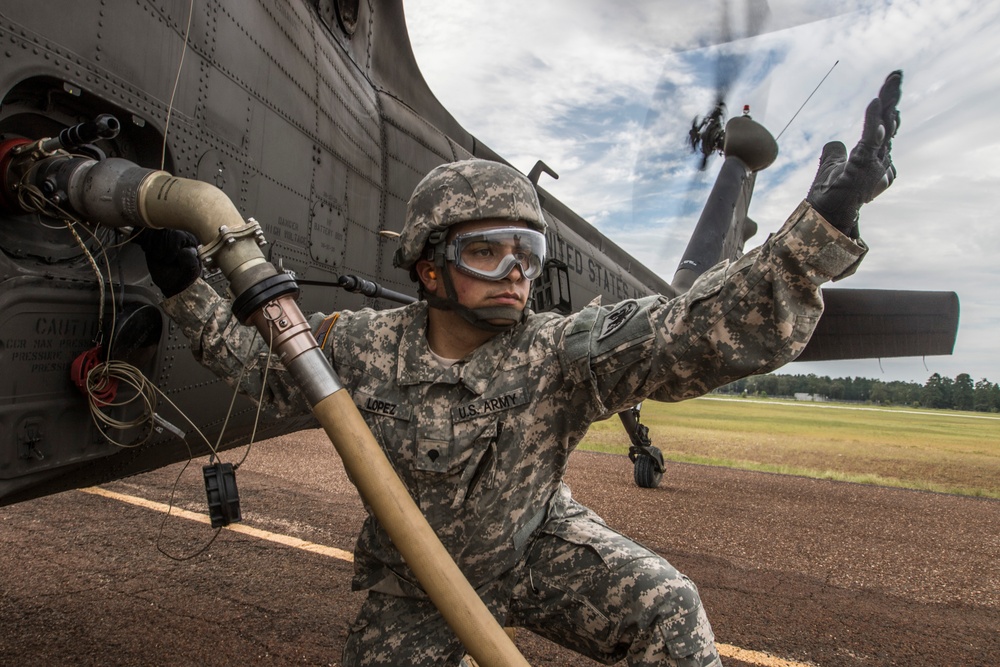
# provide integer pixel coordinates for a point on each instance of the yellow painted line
(725, 650)
(757, 657)
(285, 540)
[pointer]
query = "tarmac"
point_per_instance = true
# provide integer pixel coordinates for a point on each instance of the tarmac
(792, 571)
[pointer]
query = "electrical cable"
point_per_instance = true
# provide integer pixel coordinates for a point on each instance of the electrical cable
(110, 373)
(32, 199)
(170, 507)
(173, 489)
(260, 398)
(177, 79)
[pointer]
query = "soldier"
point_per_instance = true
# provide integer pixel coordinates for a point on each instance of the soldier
(478, 402)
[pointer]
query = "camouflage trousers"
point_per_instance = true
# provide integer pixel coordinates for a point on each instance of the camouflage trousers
(607, 598)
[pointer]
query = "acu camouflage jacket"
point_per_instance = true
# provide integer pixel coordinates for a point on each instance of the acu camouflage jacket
(483, 445)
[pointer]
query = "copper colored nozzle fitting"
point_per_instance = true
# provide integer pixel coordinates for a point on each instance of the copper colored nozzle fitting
(284, 326)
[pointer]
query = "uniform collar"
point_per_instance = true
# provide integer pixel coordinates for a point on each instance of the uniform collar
(416, 364)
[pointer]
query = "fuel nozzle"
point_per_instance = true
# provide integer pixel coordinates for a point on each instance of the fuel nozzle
(73, 138)
(40, 160)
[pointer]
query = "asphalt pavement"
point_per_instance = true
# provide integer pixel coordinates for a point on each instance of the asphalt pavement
(792, 571)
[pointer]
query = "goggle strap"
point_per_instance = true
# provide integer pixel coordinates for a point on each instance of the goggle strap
(477, 316)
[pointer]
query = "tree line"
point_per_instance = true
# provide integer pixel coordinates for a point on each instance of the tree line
(958, 393)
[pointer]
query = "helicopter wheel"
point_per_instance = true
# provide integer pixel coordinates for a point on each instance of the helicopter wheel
(645, 472)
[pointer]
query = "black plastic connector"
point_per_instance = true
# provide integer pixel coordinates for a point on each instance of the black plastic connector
(257, 296)
(223, 496)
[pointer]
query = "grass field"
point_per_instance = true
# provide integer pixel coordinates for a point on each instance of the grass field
(933, 450)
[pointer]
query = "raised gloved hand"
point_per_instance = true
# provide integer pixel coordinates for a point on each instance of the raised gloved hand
(171, 257)
(844, 183)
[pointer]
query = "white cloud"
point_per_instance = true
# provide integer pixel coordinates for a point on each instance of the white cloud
(604, 93)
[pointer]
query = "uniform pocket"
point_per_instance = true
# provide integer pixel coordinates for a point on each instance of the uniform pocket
(480, 470)
(450, 471)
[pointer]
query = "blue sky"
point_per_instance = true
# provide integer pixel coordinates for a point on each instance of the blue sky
(604, 93)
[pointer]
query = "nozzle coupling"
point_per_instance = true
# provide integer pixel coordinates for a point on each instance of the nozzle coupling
(104, 126)
(284, 327)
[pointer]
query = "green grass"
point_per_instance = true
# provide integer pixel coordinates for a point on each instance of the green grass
(932, 450)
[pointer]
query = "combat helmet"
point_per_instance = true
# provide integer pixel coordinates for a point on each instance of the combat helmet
(462, 192)
(465, 191)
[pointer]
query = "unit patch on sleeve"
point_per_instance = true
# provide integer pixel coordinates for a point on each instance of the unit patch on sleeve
(618, 318)
(488, 405)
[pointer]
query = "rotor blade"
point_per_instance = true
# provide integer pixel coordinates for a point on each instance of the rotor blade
(730, 65)
(758, 12)
(726, 65)
(870, 324)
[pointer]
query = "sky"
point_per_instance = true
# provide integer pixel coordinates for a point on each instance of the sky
(604, 92)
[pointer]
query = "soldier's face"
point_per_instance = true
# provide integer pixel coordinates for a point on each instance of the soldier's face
(473, 292)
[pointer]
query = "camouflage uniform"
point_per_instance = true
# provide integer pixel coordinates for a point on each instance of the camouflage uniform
(483, 445)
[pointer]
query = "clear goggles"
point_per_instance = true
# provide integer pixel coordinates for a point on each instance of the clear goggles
(492, 254)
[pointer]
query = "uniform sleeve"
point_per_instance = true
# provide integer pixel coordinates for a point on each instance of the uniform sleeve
(741, 318)
(234, 352)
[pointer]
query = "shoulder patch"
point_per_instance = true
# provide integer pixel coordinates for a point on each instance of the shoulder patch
(618, 318)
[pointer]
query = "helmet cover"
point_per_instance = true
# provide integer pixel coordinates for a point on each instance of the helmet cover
(462, 192)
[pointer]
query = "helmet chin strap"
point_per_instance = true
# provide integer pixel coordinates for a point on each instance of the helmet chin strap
(477, 317)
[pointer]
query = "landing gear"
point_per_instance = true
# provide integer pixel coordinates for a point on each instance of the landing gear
(647, 459)
(648, 469)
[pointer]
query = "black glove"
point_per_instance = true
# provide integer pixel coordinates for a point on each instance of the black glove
(171, 257)
(843, 184)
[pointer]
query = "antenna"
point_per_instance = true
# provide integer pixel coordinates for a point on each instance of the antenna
(806, 102)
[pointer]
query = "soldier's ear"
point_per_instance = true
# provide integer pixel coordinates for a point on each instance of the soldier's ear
(427, 274)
